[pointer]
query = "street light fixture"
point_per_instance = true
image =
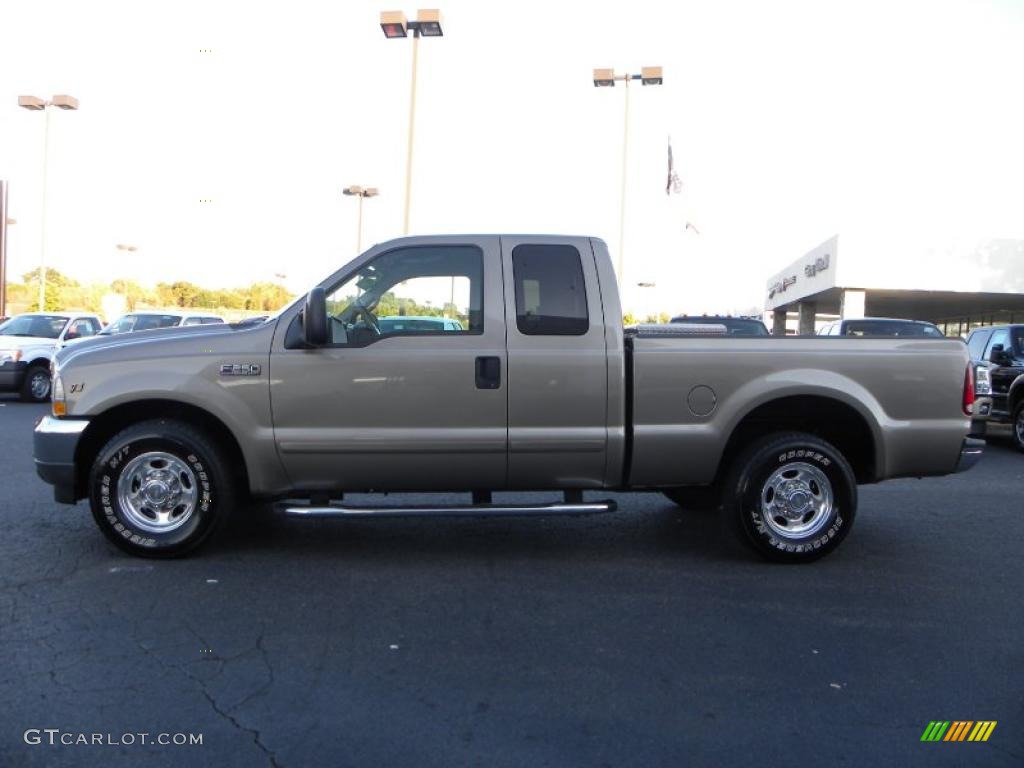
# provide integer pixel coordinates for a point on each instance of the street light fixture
(35, 104)
(606, 78)
(395, 25)
(361, 193)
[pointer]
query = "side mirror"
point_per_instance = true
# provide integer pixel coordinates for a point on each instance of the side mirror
(996, 354)
(314, 318)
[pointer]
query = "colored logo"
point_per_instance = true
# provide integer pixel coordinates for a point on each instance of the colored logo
(958, 730)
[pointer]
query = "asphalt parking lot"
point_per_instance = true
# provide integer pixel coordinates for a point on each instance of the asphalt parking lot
(627, 639)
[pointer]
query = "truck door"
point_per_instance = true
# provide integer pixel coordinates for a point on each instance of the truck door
(557, 363)
(410, 392)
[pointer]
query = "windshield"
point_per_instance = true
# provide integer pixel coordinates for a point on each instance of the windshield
(43, 326)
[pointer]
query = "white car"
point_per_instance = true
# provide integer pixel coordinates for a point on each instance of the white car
(27, 342)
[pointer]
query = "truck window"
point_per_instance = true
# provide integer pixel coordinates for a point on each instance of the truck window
(551, 298)
(976, 343)
(1002, 336)
(79, 328)
(435, 290)
(149, 322)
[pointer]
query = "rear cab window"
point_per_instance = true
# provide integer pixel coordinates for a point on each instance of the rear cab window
(551, 297)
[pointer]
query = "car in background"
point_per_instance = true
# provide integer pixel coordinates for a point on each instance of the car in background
(27, 342)
(734, 326)
(417, 324)
(998, 355)
(248, 322)
(148, 321)
(881, 326)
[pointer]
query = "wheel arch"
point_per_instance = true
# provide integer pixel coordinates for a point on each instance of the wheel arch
(1015, 393)
(833, 420)
(105, 425)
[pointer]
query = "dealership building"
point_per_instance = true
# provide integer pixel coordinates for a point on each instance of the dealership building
(956, 283)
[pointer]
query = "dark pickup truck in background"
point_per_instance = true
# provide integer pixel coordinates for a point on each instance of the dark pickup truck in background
(998, 354)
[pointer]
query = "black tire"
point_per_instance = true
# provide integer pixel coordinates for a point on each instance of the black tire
(811, 471)
(699, 497)
(31, 387)
(1017, 426)
(192, 462)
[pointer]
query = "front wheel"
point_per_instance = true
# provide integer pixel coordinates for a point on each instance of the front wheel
(36, 386)
(160, 488)
(792, 497)
(1017, 431)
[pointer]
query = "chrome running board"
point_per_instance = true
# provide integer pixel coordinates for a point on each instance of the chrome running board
(469, 510)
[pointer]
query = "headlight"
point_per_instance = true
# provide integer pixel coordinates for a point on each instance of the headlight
(9, 356)
(982, 382)
(58, 403)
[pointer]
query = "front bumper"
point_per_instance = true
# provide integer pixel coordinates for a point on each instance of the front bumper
(12, 375)
(53, 446)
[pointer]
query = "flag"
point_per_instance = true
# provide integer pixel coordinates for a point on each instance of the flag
(673, 184)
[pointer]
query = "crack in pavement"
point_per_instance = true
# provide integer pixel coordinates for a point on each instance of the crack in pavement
(224, 713)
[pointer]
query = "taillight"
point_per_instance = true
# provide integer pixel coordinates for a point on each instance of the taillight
(968, 400)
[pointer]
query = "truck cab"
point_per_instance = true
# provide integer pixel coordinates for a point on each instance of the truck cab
(514, 396)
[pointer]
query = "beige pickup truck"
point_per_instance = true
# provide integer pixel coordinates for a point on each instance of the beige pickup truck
(480, 364)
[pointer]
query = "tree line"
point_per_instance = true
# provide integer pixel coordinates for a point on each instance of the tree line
(64, 293)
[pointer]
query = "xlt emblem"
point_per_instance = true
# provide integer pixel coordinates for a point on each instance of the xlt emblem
(240, 369)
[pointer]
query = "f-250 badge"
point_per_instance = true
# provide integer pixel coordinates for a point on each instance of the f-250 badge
(240, 369)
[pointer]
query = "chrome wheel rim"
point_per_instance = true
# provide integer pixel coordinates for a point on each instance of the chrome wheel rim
(158, 492)
(39, 386)
(796, 500)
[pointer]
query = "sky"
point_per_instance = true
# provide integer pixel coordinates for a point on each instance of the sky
(790, 121)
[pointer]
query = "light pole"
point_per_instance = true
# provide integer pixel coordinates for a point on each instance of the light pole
(63, 101)
(395, 25)
(4, 223)
(360, 192)
(606, 78)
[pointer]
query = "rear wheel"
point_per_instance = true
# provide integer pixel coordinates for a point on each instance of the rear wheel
(160, 488)
(1017, 423)
(792, 497)
(36, 386)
